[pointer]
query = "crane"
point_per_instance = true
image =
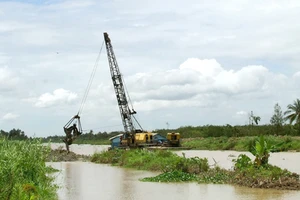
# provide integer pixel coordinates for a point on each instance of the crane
(128, 138)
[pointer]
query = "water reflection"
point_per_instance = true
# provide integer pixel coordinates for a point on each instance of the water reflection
(84, 180)
(80, 181)
(265, 194)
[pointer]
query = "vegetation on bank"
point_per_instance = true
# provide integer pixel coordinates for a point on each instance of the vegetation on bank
(280, 143)
(23, 172)
(238, 138)
(233, 134)
(258, 173)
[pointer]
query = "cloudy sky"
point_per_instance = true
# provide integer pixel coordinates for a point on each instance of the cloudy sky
(193, 62)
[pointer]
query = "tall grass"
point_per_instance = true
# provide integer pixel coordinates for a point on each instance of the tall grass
(23, 171)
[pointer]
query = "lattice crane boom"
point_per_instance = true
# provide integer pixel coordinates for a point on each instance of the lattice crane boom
(119, 88)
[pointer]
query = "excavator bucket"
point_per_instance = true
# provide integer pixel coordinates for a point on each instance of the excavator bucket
(72, 130)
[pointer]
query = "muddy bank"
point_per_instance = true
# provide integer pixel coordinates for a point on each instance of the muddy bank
(284, 183)
(61, 155)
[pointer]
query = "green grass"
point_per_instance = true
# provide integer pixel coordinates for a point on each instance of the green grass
(23, 171)
(173, 176)
(282, 143)
(165, 161)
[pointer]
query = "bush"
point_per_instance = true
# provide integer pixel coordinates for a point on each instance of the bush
(23, 171)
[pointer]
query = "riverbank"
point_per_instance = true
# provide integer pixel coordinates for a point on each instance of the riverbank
(177, 168)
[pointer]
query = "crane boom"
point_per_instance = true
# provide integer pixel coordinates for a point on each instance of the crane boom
(119, 89)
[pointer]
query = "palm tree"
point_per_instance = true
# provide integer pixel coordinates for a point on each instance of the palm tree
(256, 119)
(293, 112)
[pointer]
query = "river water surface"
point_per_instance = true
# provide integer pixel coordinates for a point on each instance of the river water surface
(85, 180)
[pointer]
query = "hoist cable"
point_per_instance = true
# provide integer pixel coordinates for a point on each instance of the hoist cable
(90, 82)
(129, 100)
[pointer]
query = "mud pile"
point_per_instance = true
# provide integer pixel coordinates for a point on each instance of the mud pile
(61, 155)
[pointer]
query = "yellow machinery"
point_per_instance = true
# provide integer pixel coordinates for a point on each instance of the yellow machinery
(173, 139)
(141, 138)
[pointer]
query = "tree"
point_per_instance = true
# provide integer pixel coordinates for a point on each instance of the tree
(253, 118)
(293, 113)
(277, 119)
(256, 119)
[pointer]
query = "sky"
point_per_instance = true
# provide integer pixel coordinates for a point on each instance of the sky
(184, 63)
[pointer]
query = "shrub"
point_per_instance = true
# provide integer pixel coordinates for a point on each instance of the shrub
(23, 171)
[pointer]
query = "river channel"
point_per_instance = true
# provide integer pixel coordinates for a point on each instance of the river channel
(85, 180)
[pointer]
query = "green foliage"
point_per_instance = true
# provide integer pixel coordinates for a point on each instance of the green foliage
(251, 174)
(23, 171)
(293, 112)
(261, 151)
(100, 138)
(277, 119)
(279, 143)
(216, 176)
(256, 119)
(231, 131)
(160, 160)
(14, 134)
(242, 162)
(173, 176)
(178, 169)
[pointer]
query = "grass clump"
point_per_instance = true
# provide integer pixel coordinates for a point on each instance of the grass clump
(23, 171)
(164, 161)
(252, 174)
(173, 176)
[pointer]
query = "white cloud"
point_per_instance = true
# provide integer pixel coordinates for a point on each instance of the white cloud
(296, 75)
(206, 67)
(10, 116)
(241, 113)
(8, 80)
(198, 79)
(231, 61)
(59, 96)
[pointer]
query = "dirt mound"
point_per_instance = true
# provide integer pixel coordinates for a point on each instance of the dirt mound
(61, 155)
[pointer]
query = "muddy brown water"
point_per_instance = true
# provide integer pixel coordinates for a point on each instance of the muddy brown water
(85, 180)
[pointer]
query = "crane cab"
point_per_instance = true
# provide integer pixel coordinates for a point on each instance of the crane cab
(141, 138)
(173, 139)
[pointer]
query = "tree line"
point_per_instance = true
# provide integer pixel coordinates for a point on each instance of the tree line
(14, 134)
(277, 126)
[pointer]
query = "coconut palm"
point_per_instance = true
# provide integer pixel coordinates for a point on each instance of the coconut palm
(256, 119)
(293, 113)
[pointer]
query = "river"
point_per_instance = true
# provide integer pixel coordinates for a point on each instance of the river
(85, 180)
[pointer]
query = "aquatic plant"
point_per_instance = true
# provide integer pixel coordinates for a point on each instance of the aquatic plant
(173, 176)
